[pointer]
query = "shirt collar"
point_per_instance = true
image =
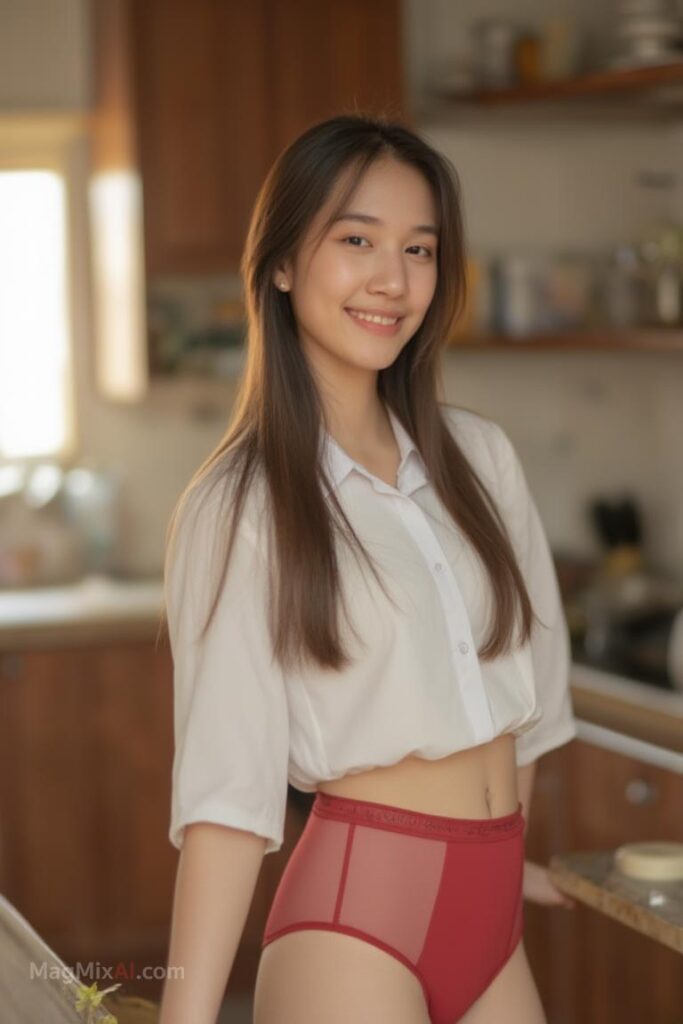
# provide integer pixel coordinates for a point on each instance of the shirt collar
(412, 472)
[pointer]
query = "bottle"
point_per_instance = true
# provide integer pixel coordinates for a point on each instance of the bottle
(624, 294)
(661, 251)
(668, 307)
(517, 281)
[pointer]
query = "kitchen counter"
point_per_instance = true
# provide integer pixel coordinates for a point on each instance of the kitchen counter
(96, 609)
(611, 711)
(652, 908)
(638, 710)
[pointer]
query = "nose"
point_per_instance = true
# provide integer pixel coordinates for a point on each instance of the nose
(389, 277)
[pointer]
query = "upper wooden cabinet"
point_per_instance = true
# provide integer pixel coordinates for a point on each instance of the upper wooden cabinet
(333, 58)
(202, 97)
(216, 88)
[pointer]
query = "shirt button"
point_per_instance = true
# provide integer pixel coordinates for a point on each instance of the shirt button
(438, 566)
(463, 647)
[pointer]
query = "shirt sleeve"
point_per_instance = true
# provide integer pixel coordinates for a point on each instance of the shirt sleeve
(231, 724)
(550, 642)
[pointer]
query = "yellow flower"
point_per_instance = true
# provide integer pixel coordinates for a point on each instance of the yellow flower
(89, 998)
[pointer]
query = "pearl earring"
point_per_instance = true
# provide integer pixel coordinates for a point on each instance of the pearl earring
(283, 285)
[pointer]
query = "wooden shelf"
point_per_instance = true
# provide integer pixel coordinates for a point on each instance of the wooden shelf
(644, 339)
(611, 97)
(615, 82)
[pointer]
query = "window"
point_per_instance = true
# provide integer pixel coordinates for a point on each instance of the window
(36, 328)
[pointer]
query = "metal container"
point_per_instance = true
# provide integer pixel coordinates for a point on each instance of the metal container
(494, 42)
(517, 293)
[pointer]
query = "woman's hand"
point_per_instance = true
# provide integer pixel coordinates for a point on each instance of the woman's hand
(538, 887)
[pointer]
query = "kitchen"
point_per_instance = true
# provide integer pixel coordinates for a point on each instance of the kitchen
(161, 120)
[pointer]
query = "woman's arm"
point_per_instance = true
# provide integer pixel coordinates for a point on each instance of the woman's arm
(525, 784)
(537, 886)
(215, 881)
(231, 731)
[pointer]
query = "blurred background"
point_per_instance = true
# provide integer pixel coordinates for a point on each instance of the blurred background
(134, 135)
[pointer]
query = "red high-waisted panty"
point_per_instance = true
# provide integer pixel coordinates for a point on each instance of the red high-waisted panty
(443, 895)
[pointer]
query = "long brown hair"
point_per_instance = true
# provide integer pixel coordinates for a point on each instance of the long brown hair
(276, 420)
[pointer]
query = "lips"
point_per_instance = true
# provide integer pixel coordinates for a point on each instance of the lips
(386, 313)
(374, 327)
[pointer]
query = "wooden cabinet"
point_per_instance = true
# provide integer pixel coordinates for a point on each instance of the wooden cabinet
(332, 58)
(591, 969)
(86, 735)
(216, 88)
(86, 740)
(203, 96)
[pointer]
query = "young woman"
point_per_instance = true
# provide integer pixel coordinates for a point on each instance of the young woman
(361, 601)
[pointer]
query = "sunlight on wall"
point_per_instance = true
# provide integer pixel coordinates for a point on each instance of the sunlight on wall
(116, 216)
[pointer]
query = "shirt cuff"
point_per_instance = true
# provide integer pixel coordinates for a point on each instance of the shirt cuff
(216, 813)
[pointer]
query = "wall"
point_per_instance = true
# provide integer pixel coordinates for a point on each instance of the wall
(44, 54)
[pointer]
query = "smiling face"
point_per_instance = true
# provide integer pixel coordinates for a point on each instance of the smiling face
(378, 260)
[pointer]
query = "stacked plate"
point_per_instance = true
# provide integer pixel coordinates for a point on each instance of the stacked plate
(651, 861)
(648, 33)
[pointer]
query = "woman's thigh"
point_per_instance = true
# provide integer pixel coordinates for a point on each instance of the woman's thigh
(512, 996)
(324, 977)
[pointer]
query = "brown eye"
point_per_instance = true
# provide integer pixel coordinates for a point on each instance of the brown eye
(350, 238)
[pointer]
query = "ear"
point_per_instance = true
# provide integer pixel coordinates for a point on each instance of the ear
(282, 278)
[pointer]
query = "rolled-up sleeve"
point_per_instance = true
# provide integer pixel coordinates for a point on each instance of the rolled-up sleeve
(231, 724)
(550, 642)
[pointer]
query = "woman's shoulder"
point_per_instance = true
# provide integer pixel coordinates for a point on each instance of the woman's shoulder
(480, 438)
(198, 535)
(210, 499)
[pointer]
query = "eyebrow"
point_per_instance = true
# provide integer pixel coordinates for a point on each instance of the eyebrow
(366, 218)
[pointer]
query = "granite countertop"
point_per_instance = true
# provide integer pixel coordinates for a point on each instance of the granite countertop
(651, 908)
(632, 717)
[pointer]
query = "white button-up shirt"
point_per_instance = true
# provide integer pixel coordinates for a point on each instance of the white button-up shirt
(244, 727)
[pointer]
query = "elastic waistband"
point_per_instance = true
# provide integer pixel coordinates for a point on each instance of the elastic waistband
(400, 819)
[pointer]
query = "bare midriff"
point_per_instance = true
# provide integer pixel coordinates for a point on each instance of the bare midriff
(480, 782)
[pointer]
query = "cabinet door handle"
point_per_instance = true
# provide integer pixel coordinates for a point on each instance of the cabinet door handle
(640, 791)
